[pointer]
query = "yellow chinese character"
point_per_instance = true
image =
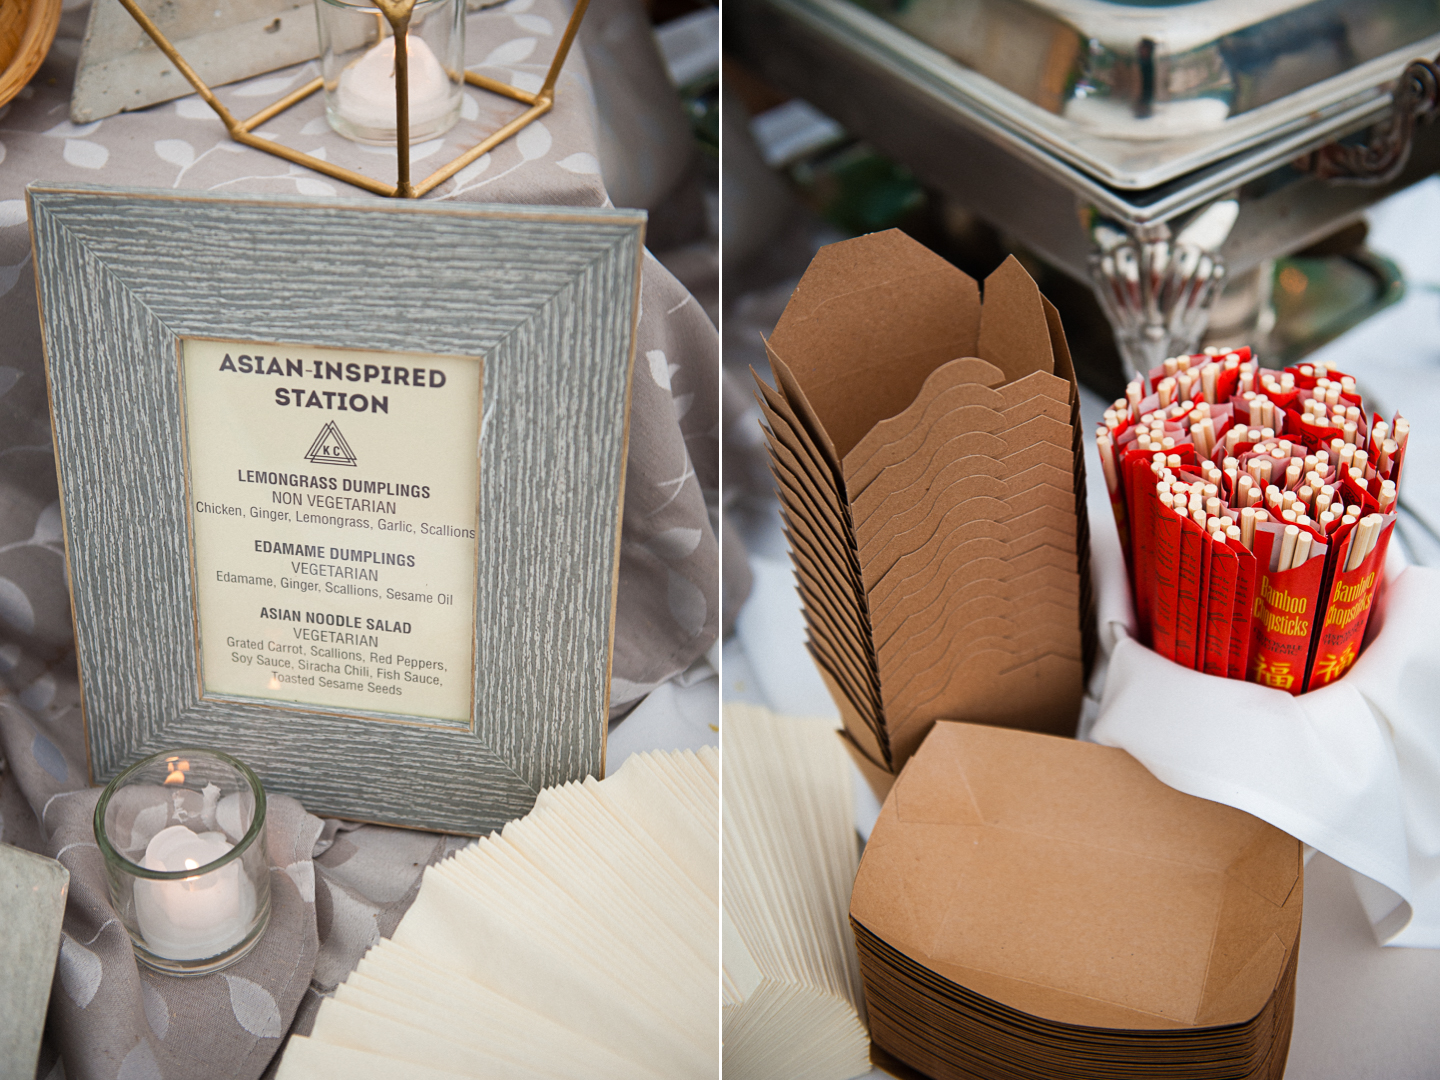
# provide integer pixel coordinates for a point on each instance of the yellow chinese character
(1332, 666)
(1277, 675)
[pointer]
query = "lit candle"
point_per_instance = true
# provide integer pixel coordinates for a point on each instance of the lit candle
(366, 96)
(199, 916)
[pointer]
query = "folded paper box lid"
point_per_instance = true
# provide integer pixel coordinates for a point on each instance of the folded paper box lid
(873, 317)
(1063, 880)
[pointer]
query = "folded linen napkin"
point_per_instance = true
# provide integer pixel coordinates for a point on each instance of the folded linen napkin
(1352, 769)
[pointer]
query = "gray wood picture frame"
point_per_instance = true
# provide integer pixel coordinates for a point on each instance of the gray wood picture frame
(548, 297)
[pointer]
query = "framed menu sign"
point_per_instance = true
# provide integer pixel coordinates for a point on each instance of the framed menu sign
(341, 484)
(334, 565)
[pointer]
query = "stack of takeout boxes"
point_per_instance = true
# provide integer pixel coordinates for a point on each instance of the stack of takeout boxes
(926, 449)
(1027, 906)
(1034, 908)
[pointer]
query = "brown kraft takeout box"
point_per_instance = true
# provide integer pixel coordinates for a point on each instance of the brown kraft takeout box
(1029, 906)
(926, 451)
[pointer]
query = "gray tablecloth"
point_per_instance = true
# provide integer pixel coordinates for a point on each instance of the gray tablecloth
(337, 886)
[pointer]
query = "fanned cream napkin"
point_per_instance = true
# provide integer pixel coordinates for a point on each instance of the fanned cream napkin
(792, 994)
(1352, 769)
(578, 941)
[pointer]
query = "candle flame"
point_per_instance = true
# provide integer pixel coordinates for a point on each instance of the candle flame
(191, 864)
(175, 778)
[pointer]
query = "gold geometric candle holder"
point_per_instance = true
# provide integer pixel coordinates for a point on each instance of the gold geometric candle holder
(397, 13)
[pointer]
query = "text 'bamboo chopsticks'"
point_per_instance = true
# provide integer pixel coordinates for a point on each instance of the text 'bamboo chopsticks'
(578, 941)
(792, 982)
(1255, 508)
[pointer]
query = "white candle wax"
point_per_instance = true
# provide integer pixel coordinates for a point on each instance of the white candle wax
(196, 917)
(366, 95)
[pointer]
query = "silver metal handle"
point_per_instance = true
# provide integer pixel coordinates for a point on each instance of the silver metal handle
(1380, 159)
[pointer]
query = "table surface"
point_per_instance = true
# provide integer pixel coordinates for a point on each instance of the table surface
(1362, 1012)
(618, 129)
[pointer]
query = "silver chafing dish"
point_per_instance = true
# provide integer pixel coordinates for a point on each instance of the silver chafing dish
(1150, 149)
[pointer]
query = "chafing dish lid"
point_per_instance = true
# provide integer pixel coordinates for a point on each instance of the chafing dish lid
(1138, 94)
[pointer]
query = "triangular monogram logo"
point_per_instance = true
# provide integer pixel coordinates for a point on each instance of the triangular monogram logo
(330, 447)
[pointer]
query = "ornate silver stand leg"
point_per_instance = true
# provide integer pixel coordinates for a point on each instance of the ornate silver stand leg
(1158, 291)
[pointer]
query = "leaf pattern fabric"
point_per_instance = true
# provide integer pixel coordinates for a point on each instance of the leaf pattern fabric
(111, 1018)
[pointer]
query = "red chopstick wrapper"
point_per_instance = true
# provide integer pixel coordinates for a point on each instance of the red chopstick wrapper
(1254, 508)
(1283, 618)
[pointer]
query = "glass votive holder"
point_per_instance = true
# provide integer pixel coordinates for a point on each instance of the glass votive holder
(183, 837)
(357, 61)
